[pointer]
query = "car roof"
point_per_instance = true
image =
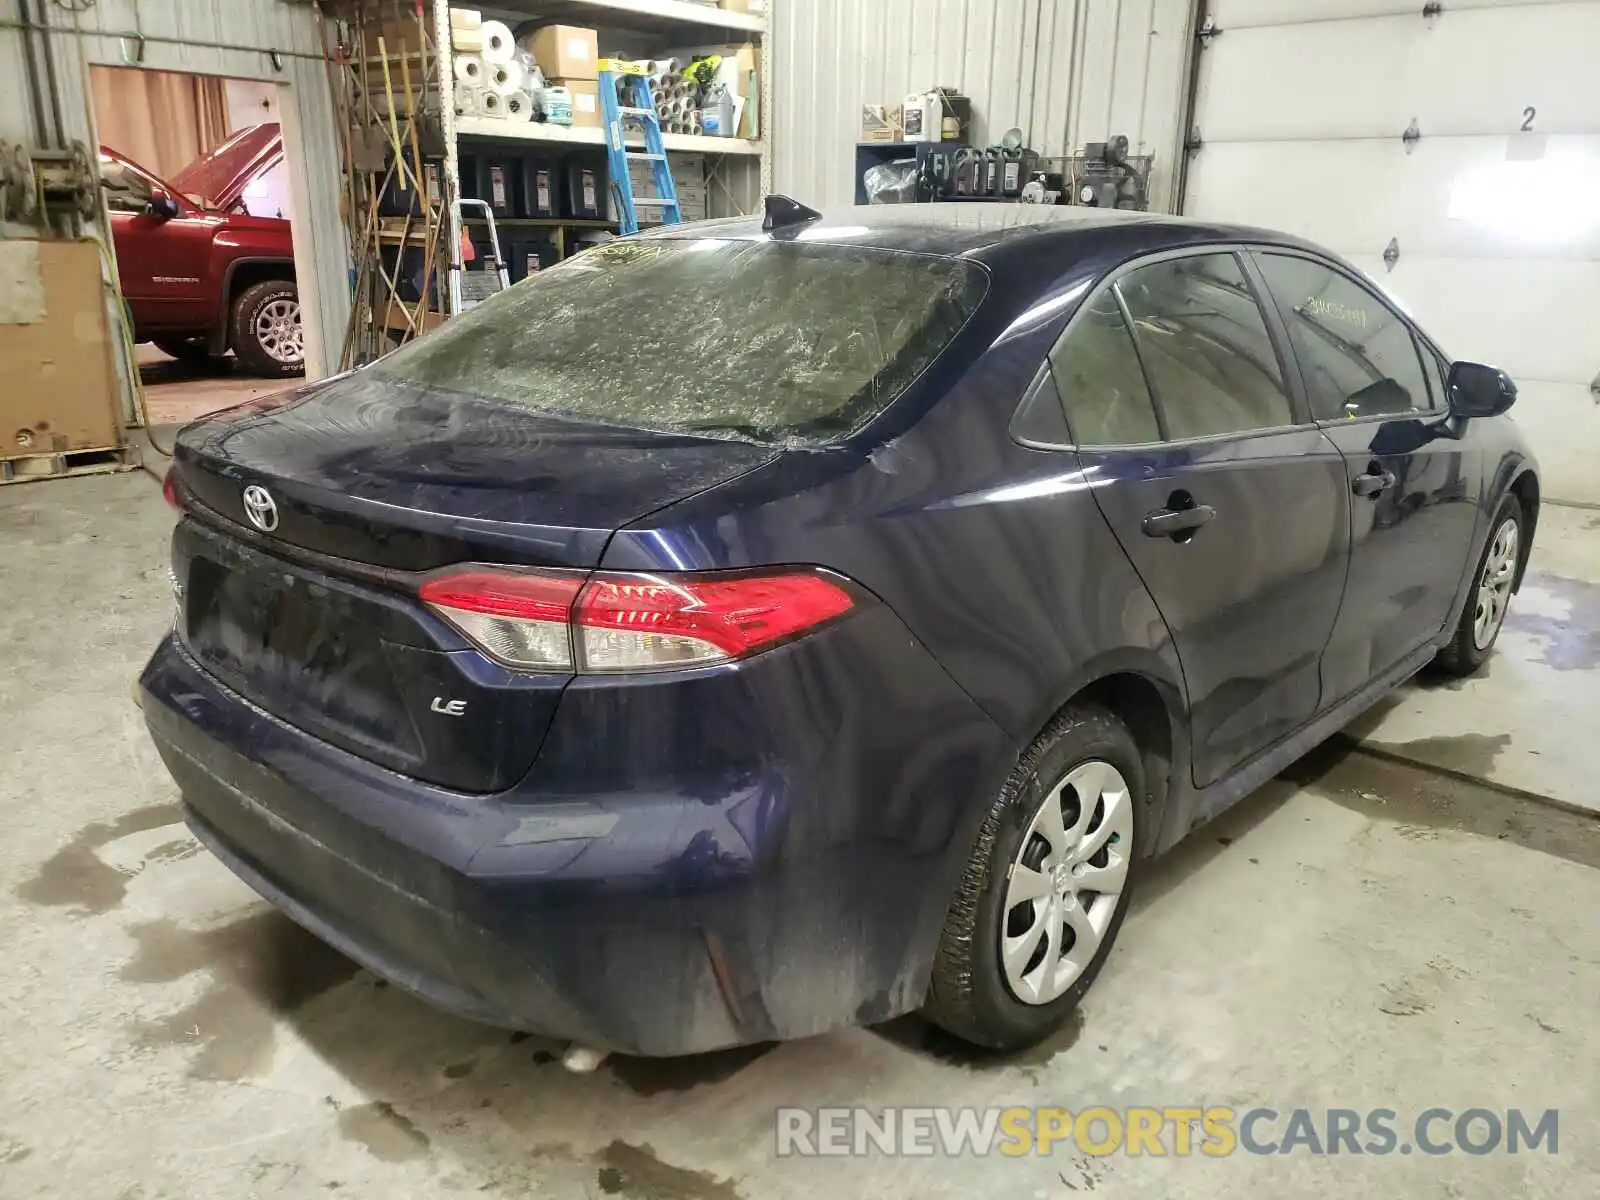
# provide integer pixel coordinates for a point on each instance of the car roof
(974, 230)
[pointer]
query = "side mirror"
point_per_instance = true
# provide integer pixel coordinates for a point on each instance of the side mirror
(164, 206)
(1479, 391)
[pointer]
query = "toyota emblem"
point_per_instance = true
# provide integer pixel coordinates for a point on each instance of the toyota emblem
(260, 508)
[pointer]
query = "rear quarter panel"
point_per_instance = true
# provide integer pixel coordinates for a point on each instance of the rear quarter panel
(994, 556)
(1504, 453)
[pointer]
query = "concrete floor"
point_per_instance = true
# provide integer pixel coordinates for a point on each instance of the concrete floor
(1524, 722)
(176, 392)
(1359, 933)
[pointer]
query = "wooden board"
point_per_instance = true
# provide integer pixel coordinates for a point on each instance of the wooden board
(60, 390)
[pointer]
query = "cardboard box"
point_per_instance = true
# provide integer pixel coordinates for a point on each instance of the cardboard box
(748, 58)
(61, 390)
(466, 31)
(566, 51)
(882, 122)
(585, 102)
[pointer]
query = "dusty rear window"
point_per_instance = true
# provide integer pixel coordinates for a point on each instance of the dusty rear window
(776, 342)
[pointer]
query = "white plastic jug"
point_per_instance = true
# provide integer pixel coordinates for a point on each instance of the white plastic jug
(924, 117)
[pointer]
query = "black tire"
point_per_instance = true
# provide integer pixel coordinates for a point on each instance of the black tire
(1463, 655)
(185, 349)
(969, 994)
(260, 352)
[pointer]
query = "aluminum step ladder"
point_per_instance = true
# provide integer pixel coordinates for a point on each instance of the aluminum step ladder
(619, 118)
(468, 289)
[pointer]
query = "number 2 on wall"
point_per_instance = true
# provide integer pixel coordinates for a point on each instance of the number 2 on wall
(1528, 114)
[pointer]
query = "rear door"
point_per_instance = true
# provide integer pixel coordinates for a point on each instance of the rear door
(1413, 483)
(1230, 503)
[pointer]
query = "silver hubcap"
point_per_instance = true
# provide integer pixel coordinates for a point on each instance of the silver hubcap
(279, 332)
(1494, 588)
(1066, 882)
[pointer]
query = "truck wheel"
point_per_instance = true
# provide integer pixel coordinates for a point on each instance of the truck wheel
(1046, 887)
(268, 335)
(185, 349)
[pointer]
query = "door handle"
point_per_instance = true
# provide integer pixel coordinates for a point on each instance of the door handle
(1173, 522)
(1373, 483)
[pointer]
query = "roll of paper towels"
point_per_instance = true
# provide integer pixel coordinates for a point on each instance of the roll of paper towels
(469, 70)
(505, 77)
(519, 105)
(494, 104)
(469, 102)
(498, 44)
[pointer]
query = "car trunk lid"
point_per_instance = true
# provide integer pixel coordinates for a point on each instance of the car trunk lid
(395, 475)
(373, 484)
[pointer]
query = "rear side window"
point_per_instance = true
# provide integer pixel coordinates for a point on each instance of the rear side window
(1102, 386)
(1205, 345)
(1356, 354)
(773, 342)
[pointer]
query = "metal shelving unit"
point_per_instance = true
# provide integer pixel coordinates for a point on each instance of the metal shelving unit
(676, 21)
(533, 131)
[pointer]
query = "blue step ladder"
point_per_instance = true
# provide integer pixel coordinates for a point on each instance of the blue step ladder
(619, 119)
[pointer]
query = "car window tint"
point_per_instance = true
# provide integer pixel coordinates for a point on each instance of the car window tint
(1356, 354)
(1097, 372)
(1206, 347)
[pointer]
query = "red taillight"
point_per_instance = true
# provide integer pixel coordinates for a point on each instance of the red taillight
(169, 488)
(617, 623)
(646, 622)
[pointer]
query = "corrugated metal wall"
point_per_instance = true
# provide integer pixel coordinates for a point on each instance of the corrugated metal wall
(1064, 71)
(212, 37)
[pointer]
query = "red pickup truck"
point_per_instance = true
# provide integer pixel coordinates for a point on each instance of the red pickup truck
(200, 274)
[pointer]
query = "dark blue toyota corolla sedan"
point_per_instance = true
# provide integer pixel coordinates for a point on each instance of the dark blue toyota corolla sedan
(739, 631)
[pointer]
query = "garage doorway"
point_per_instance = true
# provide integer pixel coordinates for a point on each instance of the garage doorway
(203, 227)
(1450, 151)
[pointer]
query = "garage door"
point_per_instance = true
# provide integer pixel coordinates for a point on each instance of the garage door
(1493, 208)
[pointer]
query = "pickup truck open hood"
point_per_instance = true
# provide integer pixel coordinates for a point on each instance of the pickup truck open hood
(221, 176)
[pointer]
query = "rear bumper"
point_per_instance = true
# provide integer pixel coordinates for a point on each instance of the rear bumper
(774, 867)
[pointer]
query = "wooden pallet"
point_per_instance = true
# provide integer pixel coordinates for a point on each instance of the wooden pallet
(25, 468)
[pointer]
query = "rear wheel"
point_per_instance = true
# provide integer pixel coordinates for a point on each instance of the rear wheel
(268, 334)
(185, 349)
(1046, 888)
(1485, 610)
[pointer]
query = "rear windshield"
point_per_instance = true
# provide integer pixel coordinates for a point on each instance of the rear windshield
(774, 342)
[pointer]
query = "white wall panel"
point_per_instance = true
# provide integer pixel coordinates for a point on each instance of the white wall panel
(1470, 72)
(1063, 71)
(240, 33)
(1354, 196)
(1232, 14)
